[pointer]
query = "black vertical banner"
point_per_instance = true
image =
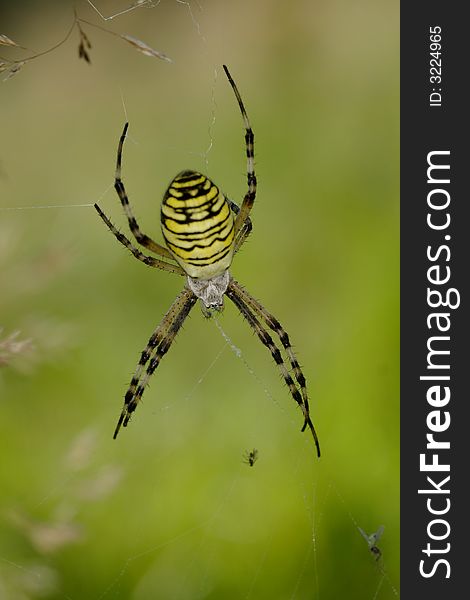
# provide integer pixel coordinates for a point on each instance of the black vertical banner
(435, 241)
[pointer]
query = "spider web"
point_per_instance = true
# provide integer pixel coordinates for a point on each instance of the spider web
(169, 506)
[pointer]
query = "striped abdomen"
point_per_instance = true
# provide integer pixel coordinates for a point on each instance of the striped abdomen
(198, 225)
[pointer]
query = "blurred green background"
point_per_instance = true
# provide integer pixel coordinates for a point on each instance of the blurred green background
(169, 509)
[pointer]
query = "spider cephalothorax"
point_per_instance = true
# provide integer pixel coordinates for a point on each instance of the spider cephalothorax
(203, 230)
(210, 291)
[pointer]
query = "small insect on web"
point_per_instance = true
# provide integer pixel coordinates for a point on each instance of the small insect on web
(372, 540)
(203, 230)
(250, 457)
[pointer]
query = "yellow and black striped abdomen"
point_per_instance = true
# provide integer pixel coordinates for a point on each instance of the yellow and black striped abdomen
(198, 225)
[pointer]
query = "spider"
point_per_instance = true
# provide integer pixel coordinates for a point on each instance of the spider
(203, 230)
(249, 458)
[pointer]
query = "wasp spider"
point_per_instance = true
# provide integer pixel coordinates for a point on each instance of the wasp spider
(203, 230)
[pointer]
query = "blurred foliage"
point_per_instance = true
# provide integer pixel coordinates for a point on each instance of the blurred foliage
(170, 510)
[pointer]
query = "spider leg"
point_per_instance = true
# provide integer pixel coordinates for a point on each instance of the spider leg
(249, 198)
(274, 324)
(142, 239)
(157, 346)
(237, 296)
(148, 260)
(245, 229)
